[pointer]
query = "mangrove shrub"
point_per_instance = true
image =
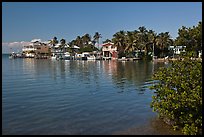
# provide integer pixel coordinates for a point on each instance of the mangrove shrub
(178, 95)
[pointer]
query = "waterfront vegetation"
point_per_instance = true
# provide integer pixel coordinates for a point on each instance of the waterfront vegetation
(85, 43)
(139, 44)
(178, 95)
(142, 41)
(178, 91)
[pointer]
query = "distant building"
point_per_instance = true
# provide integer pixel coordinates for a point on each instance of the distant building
(59, 51)
(177, 50)
(42, 49)
(109, 51)
(35, 48)
(56, 51)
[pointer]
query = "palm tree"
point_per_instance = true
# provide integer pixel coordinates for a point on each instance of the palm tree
(130, 42)
(163, 41)
(71, 45)
(63, 43)
(119, 41)
(151, 41)
(86, 39)
(78, 42)
(106, 41)
(54, 41)
(96, 37)
(143, 39)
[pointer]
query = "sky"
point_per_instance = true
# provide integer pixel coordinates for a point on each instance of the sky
(25, 21)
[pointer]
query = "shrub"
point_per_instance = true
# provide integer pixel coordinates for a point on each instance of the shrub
(178, 95)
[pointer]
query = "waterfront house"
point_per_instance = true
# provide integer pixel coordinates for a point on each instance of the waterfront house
(176, 50)
(35, 48)
(57, 52)
(42, 49)
(87, 56)
(29, 51)
(109, 51)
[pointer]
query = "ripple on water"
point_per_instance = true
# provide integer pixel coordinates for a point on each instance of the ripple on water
(75, 97)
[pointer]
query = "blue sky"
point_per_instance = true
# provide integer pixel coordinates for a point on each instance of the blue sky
(24, 21)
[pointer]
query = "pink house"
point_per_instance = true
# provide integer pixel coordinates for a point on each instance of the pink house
(109, 51)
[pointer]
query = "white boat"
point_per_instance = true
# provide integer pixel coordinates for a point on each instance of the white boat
(88, 56)
(78, 56)
(30, 55)
(91, 57)
(54, 57)
(12, 55)
(57, 56)
(67, 56)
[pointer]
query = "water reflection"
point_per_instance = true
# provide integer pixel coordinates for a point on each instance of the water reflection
(126, 74)
(135, 73)
(122, 75)
(119, 73)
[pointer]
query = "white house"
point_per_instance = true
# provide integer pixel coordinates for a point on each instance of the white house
(31, 49)
(177, 49)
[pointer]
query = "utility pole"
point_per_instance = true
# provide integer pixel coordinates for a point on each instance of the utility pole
(153, 53)
(98, 43)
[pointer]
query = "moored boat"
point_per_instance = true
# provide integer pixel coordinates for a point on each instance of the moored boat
(12, 55)
(88, 56)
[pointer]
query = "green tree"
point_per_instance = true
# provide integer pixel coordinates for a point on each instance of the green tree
(96, 37)
(54, 41)
(190, 37)
(119, 41)
(163, 41)
(86, 39)
(178, 95)
(79, 42)
(143, 38)
(62, 44)
(130, 43)
(151, 42)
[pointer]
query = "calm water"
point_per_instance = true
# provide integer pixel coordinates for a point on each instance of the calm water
(78, 97)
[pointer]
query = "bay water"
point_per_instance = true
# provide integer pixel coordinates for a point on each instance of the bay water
(43, 96)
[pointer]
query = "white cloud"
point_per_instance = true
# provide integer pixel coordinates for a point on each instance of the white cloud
(7, 47)
(15, 44)
(36, 40)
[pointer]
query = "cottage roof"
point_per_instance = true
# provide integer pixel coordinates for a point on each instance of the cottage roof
(57, 45)
(46, 42)
(108, 44)
(76, 47)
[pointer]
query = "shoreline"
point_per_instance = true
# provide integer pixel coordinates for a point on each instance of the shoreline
(155, 126)
(173, 59)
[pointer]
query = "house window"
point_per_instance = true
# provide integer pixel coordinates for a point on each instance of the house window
(38, 47)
